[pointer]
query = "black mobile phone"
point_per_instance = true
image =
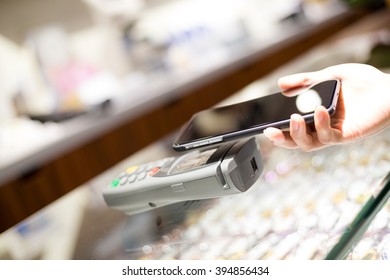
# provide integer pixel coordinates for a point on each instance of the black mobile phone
(221, 124)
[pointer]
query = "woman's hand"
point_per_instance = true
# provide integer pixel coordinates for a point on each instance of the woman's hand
(363, 108)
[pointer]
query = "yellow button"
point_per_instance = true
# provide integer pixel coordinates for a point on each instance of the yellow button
(131, 169)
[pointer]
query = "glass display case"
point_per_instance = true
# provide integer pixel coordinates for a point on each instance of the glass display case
(298, 209)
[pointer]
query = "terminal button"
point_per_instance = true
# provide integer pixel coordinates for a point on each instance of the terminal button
(131, 169)
(153, 171)
(115, 183)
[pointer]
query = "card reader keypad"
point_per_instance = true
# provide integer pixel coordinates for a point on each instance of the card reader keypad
(139, 172)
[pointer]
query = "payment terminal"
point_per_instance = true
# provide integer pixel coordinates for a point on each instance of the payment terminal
(229, 169)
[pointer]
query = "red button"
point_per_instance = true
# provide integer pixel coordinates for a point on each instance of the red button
(153, 171)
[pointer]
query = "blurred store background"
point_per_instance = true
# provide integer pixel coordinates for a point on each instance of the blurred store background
(74, 71)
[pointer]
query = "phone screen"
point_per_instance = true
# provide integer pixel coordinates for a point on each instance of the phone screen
(253, 116)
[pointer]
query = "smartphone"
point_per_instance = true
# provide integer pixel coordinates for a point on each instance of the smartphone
(220, 124)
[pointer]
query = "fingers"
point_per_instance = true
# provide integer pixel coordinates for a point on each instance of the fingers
(280, 138)
(295, 91)
(297, 137)
(325, 133)
(291, 85)
(300, 136)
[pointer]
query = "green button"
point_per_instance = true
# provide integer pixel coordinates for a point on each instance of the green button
(115, 183)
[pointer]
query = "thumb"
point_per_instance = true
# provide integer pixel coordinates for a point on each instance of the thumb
(291, 85)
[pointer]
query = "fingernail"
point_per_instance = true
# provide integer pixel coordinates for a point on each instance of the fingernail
(294, 124)
(268, 134)
(320, 116)
(271, 137)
